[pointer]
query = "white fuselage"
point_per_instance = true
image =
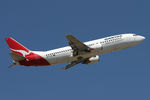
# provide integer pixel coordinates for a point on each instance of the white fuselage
(100, 46)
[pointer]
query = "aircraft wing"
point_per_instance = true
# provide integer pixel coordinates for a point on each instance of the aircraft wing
(77, 46)
(73, 63)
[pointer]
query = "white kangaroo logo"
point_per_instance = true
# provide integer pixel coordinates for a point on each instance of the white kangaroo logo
(23, 52)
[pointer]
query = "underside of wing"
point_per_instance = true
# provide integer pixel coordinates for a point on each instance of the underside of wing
(73, 63)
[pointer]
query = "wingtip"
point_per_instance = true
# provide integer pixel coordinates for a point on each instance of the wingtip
(68, 35)
(63, 68)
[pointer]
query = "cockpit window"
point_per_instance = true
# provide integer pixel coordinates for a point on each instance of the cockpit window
(134, 35)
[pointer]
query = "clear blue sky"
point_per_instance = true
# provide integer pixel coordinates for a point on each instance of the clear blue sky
(42, 25)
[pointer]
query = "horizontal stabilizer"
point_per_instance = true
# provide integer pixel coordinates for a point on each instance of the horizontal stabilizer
(16, 57)
(12, 65)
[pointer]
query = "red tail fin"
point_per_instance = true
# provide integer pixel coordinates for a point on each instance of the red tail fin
(17, 47)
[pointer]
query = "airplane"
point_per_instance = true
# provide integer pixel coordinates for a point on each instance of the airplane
(77, 51)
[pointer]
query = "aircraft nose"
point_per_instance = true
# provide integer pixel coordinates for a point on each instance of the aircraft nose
(142, 38)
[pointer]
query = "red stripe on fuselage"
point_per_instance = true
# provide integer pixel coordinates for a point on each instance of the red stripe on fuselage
(34, 60)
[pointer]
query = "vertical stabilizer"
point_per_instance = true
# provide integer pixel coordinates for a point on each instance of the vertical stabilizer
(16, 47)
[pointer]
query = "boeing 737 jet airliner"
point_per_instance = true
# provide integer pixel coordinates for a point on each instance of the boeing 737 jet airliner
(77, 51)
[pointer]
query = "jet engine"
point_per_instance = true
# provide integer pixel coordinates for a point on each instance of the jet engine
(92, 60)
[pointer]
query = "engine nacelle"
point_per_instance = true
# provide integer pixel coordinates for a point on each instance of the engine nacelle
(92, 60)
